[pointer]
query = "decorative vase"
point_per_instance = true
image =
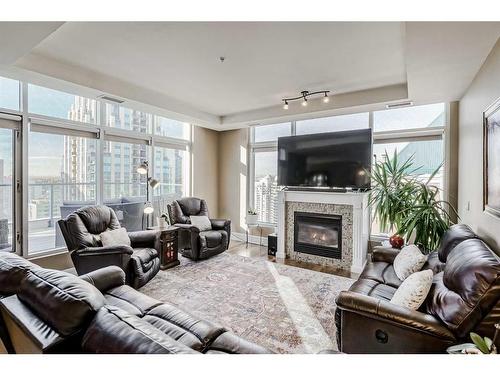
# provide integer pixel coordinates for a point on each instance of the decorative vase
(396, 241)
(251, 219)
(162, 224)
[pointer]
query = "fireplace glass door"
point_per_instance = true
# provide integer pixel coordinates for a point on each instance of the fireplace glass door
(318, 234)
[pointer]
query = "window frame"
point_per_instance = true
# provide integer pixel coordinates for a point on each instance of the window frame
(381, 137)
(98, 130)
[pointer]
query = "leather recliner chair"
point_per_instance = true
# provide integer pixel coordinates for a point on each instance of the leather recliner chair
(82, 230)
(193, 243)
(464, 298)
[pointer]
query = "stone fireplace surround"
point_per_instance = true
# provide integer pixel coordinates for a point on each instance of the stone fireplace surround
(352, 206)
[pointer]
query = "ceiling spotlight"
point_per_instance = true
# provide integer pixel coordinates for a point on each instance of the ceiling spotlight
(304, 95)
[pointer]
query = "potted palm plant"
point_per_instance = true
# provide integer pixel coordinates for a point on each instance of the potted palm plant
(406, 205)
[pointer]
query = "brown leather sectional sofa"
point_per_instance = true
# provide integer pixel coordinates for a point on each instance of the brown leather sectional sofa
(48, 311)
(464, 298)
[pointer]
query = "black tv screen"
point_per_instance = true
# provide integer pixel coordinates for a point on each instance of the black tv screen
(326, 160)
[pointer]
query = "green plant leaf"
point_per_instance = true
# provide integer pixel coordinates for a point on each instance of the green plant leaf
(479, 342)
(488, 342)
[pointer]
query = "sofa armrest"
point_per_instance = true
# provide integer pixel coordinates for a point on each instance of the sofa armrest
(104, 250)
(105, 278)
(384, 254)
(93, 258)
(220, 223)
(145, 238)
(28, 333)
(384, 310)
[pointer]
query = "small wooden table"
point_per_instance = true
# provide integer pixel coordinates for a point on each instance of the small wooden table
(169, 240)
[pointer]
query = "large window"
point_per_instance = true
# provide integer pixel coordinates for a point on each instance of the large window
(333, 124)
(81, 151)
(62, 178)
(9, 94)
(410, 132)
(121, 179)
(53, 103)
(128, 119)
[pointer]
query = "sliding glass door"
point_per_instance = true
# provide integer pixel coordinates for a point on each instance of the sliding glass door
(8, 199)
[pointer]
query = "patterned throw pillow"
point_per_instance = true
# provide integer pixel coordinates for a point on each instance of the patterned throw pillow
(413, 291)
(409, 260)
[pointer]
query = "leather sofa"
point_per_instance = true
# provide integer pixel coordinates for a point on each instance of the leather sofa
(48, 311)
(193, 243)
(82, 230)
(464, 298)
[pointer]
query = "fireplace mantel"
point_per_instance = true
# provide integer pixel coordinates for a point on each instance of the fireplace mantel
(358, 229)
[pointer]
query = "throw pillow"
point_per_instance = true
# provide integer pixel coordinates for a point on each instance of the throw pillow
(413, 291)
(409, 260)
(115, 237)
(201, 222)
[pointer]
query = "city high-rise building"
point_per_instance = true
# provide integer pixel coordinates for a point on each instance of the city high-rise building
(266, 198)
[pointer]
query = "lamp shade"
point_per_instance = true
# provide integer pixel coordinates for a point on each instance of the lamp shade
(153, 182)
(143, 168)
(148, 208)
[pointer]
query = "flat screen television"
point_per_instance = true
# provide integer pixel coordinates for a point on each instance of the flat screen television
(327, 160)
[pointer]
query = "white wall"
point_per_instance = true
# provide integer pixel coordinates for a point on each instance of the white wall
(483, 91)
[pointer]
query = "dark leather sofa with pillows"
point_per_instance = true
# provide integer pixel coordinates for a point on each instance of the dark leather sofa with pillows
(195, 243)
(464, 298)
(48, 311)
(82, 232)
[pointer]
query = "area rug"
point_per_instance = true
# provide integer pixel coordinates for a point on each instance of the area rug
(283, 308)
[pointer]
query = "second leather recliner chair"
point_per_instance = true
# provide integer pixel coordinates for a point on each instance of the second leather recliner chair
(193, 243)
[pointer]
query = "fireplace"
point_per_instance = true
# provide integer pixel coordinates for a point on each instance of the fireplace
(318, 234)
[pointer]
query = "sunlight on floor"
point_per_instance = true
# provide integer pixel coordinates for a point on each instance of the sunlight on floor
(314, 338)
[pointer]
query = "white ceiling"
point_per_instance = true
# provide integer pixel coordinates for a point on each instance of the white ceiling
(263, 61)
(176, 66)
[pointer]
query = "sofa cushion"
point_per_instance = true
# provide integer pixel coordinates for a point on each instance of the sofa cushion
(381, 272)
(452, 237)
(166, 316)
(373, 288)
(114, 331)
(130, 300)
(13, 270)
(409, 260)
(63, 301)
(413, 291)
(229, 343)
(468, 287)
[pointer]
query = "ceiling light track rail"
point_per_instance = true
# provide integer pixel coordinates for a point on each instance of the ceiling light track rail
(304, 95)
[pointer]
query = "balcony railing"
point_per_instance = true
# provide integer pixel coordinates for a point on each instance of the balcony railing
(49, 201)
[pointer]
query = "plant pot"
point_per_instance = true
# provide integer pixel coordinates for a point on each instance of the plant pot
(251, 219)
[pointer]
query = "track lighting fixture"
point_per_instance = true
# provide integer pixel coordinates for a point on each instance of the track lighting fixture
(304, 95)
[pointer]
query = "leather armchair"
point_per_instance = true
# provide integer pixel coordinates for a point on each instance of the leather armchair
(81, 230)
(193, 243)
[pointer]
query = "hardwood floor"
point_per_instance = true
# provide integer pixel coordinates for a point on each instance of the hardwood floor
(256, 251)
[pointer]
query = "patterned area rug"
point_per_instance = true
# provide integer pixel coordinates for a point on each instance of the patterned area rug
(286, 309)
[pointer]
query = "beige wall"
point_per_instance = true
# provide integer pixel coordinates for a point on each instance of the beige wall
(205, 170)
(483, 91)
(233, 159)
